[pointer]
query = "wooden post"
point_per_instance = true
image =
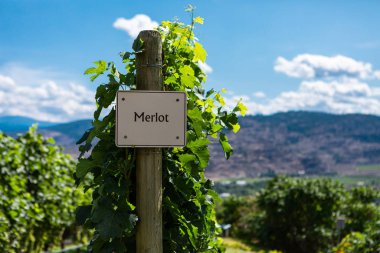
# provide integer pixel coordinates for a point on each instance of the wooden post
(149, 160)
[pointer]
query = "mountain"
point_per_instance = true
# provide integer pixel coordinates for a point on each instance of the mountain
(20, 124)
(300, 143)
(284, 143)
(65, 134)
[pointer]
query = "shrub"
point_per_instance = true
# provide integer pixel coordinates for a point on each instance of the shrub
(236, 211)
(37, 193)
(298, 215)
(353, 242)
(360, 210)
(228, 210)
(366, 242)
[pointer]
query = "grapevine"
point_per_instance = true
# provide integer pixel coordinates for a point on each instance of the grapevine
(188, 197)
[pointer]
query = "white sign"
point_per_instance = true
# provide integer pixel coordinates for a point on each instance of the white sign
(150, 119)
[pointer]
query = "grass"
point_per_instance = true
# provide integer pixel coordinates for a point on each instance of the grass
(368, 167)
(235, 246)
(246, 179)
(231, 250)
(356, 180)
(347, 180)
(253, 185)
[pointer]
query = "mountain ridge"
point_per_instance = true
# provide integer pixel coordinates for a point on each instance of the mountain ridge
(300, 143)
(20, 123)
(295, 142)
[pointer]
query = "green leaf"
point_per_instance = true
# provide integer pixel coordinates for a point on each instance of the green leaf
(199, 52)
(125, 55)
(240, 107)
(198, 143)
(229, 120)
(84, 136)
(85, 147)
(235, 128)
(187, 76)
(220, 99)
(186, 158)
(138, 45)
(223, 140)
(114, 71)
(111, 223)
(187, 81)
(101, 66)
(83, 167)
(50, 140)
(97, 112)
(210, 92)
(189, 8)
(199, 20)
(215, 130)
(203, 156)
(100, 91)
(195, 116)
(186, 70)
(199, 148)
(82, 213)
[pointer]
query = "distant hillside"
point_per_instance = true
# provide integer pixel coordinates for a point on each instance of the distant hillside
(300, 142)
(65, 134)
(288, 143)
(19, 124)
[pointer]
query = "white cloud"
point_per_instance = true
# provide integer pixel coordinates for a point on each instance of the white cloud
(43, 95)
(207, 69)
(135, 25)
(259, 94)
(348, 96)
(6, 82)
(319, 66)
(293, 69)
(376, 74)
(330, 84)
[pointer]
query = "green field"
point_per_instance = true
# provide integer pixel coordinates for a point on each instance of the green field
(235, 246)
(232, 250)
(369, 167)
(250, 186)
(358, 180)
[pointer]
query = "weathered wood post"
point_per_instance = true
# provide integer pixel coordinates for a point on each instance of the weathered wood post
(149, 160)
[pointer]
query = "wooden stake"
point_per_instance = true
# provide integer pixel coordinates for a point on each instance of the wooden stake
(149, 160)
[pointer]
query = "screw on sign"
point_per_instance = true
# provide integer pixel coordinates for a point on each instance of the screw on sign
(150, 119)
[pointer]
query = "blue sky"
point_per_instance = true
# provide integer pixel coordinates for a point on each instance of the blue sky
(276, 55)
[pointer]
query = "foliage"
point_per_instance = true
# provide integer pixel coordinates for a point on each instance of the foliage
(188, 198)
(38, 196)
(354, 242)
(357, 206)
(366, 242)
(228, 211)
(360, 209)
(298, 215)
(239, 212)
